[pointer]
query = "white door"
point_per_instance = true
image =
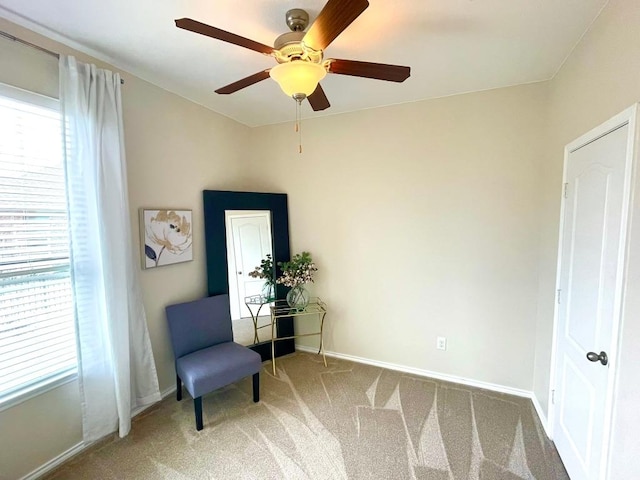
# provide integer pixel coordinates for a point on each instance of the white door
(597, 176)
(248, 242)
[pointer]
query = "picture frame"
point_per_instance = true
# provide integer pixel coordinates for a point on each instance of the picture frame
(166, 236)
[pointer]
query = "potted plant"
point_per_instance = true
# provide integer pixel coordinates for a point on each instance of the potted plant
(266, 271)
(295, 273)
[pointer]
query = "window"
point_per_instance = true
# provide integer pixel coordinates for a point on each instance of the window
(37, 332)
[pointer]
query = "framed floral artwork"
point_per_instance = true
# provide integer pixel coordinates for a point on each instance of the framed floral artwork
(166, 236)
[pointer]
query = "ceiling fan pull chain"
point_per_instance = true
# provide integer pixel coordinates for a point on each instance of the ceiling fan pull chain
(299, 123)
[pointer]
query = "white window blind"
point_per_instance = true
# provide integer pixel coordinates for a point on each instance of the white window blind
(37, 333)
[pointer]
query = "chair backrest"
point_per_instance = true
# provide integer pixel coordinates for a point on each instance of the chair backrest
(199, 324)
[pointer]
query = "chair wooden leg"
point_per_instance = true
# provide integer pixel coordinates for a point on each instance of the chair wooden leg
(197, 404)
(178, 388)
(256, 387)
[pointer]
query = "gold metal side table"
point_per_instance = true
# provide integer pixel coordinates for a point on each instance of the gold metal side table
(280, 309)
(258, 300)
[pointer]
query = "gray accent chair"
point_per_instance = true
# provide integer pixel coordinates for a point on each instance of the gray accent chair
(207, 358)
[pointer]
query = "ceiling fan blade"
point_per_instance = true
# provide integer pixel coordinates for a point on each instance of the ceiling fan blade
(245, 82)
(318, 99)
(332, 20)
(213, 32)
(379, 71)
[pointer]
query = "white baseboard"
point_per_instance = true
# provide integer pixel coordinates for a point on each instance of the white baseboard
(425, 373)
(543, 418)
(78, 448)
(163, 394)
(168, 391)
(54, 462)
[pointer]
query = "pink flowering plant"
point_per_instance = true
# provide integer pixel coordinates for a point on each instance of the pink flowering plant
(298, 271)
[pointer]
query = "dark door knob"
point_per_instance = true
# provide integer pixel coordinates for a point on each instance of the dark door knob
(594, 357)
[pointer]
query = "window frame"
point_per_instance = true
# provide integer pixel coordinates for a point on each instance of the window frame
(66, 376)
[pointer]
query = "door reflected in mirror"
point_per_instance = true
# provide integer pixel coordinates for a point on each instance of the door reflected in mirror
(248, 239)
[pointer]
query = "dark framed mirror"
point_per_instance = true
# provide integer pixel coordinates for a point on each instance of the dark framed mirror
(216, 204)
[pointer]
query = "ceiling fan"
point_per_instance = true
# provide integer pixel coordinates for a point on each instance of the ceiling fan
(300, 54)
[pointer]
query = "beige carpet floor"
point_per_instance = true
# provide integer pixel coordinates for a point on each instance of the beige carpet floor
(346, 421)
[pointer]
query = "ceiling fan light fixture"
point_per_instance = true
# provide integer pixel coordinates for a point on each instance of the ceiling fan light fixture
(298, 77)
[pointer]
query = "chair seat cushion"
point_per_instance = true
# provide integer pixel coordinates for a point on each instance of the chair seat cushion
(214, 367)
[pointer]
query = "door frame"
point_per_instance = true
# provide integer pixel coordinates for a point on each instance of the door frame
(627, 117)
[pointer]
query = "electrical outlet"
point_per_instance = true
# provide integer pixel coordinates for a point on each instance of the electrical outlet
(441, 343)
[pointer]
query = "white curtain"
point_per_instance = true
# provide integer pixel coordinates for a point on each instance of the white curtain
(115, 366)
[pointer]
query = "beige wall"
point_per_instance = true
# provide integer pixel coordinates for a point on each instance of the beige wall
(174, 150)
(600, 79)
(422, 220)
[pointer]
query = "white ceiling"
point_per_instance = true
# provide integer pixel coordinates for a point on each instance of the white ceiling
(452, 46)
